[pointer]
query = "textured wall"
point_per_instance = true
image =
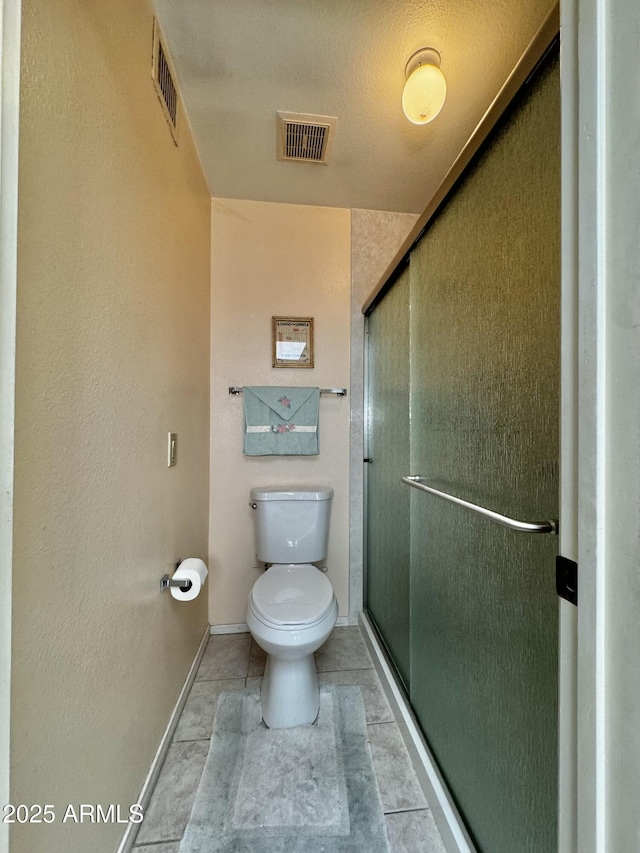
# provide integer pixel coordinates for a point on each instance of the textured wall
(274, 260)
(113, 337)
(375, 238)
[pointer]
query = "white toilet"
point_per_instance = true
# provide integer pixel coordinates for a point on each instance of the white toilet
(291, 608)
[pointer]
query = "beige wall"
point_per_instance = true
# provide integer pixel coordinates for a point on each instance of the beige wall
(112, 353)
(282, 260)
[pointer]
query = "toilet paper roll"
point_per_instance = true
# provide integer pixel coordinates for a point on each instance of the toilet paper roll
(193, 570)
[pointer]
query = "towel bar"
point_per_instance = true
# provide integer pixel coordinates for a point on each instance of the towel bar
(547, 526)
(340, 392)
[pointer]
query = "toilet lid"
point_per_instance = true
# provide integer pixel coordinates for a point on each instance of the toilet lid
(291, 595)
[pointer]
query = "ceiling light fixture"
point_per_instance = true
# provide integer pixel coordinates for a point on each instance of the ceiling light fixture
(425, 89)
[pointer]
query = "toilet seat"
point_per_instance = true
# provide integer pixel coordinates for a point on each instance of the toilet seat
(291, 595)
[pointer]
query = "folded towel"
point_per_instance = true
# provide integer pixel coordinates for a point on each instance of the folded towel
(281, 421)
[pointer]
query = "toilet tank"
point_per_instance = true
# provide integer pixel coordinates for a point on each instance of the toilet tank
(292, 524)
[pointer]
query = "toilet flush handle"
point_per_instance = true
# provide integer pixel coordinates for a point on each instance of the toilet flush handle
(253, 505)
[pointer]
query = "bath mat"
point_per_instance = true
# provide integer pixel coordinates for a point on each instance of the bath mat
(308, 789)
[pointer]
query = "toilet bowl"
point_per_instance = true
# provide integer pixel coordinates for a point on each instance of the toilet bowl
(291, 612)
(291, 609)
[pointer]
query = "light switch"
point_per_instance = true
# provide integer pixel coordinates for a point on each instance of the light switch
(172, 449)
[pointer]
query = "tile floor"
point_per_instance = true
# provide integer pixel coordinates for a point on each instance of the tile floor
(233, 661)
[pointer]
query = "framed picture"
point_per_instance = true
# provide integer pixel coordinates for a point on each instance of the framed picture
(292, 341)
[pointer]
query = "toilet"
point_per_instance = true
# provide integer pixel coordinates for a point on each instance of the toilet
(291, 608)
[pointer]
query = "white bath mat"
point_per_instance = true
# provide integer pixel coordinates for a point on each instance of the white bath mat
(308, 789)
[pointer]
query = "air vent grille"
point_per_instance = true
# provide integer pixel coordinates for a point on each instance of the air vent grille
(305, 138)
(167, 86)
(163, 79)
(305, 141)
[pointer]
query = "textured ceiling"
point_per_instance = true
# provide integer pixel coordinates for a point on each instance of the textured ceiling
(238, 61)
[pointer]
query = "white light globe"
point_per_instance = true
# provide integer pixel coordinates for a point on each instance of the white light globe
(424, 94)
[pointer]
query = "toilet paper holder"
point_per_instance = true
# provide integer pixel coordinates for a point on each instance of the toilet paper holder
(166, 581)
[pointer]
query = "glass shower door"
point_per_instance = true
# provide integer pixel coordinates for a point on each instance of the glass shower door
(388, 533)
(463, 392)
(484, 415)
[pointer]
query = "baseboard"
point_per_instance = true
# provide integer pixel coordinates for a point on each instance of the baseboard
(450, 825)
(239, 628)
(242, 627)
(129, 837)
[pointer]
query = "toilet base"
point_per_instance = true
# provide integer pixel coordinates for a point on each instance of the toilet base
(290, 694)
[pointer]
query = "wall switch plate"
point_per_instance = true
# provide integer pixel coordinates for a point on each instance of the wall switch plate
(172, 449)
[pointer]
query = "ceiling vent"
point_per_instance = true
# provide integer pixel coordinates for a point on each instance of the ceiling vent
(163, 79)
(305, 138)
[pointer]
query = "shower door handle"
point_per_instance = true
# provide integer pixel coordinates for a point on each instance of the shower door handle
(548, 526)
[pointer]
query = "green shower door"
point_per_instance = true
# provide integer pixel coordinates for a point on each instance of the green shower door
(483, 399)
(388, 532)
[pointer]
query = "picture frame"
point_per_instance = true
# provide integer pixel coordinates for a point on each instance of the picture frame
(292, 341)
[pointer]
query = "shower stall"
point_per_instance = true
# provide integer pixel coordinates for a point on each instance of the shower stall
(462, 424)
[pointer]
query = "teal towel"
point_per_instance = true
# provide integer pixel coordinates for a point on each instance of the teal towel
(281, 421)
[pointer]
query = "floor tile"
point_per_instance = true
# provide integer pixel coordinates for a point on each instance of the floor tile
(168, 812)
(345, 649)
(226, 656)
(257, 659)
(397, 780)
(376, 707)
(196, 720)
(232, 661)
(413, 832)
